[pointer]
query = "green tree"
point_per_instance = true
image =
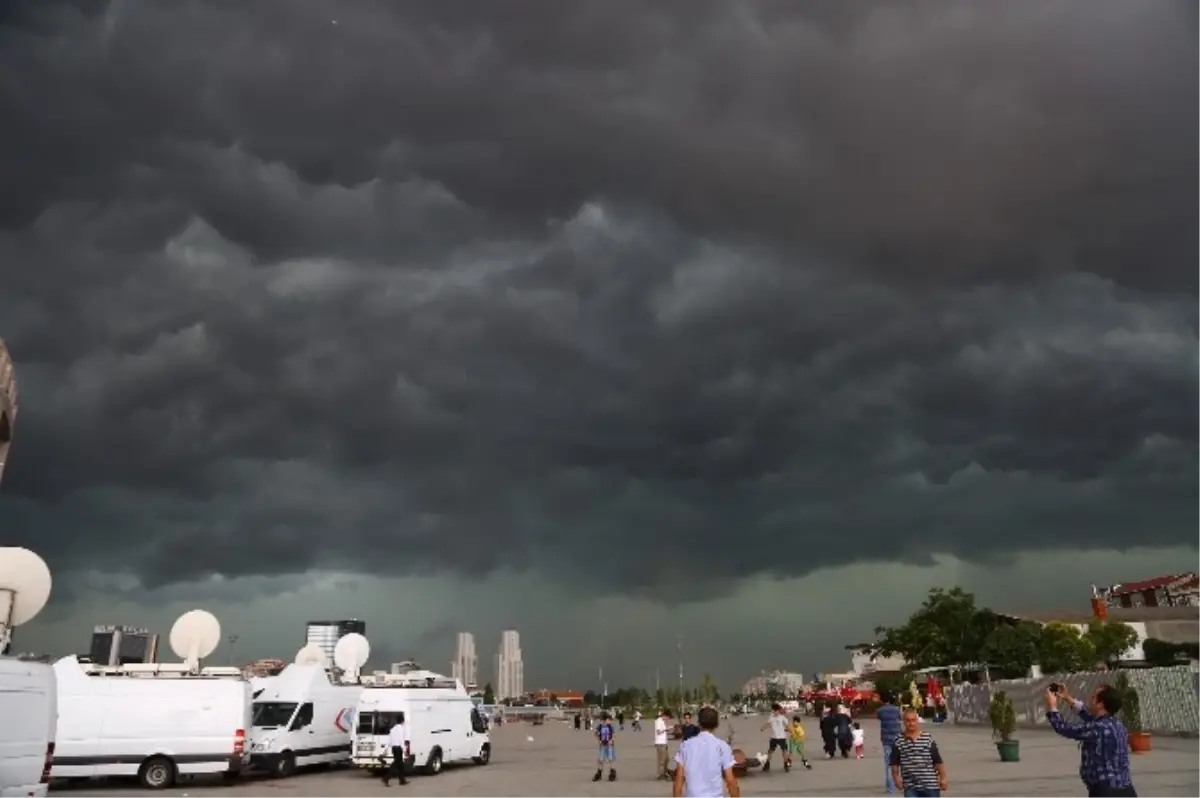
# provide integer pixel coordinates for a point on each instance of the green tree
(1064, 649)
(707, 688)
(489, 695)
(660, 699)
(947, 629)
(1111, 639)
(893, 684)
(1012, 649)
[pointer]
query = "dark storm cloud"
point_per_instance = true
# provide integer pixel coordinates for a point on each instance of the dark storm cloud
(626, 289)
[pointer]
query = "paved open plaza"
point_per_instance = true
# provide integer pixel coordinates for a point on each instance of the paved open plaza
(560, 761)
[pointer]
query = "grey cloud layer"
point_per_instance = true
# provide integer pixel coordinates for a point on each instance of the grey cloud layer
(629, 293)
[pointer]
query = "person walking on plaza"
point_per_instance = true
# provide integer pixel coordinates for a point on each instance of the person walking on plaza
(843, 730)
(888, 716)
(828, 725)
(606, 738)
(401, 745)
(704, 763)
(1103, 740)
(660, 745)
(917, 764)
(688, 729)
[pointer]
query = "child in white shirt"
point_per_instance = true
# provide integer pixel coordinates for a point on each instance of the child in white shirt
(857, 733)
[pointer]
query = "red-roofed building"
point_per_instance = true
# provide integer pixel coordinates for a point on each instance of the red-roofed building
(1173, 590)
(567, 698)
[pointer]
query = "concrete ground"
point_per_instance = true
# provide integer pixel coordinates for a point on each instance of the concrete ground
(559, 761)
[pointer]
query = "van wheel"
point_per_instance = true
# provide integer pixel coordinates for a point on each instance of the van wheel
(434, 765)
(485, 755)
(157, 773)
(285, 766)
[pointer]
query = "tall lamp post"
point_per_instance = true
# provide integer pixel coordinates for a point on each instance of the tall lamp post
(679, 651)
(232, 643)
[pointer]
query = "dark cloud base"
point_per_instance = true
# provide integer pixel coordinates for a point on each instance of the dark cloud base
(652, 297)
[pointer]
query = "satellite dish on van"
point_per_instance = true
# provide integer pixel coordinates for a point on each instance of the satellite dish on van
(194, 636)
(351, 653)
(312, 655)
(24, 589)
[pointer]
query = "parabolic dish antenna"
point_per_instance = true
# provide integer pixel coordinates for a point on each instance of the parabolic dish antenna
(312, 655)
(24, 586)
(351, 652)
(195, 635)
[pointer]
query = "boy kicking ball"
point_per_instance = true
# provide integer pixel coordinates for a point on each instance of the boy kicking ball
(778, 724)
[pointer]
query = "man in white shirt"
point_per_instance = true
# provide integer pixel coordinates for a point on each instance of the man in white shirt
(660, 744)
(704, 764)
(401, 745)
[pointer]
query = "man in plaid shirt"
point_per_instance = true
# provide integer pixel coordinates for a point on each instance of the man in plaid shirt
(1103, 740)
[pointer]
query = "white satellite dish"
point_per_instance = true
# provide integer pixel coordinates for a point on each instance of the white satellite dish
(24, 589)
(312, 655)
(194, 636)
(351, 653)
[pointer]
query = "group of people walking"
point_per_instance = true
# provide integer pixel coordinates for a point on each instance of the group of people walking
(913, 763)
(841, 734)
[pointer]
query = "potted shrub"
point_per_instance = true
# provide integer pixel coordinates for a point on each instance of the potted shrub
(1003, 718)
(1131, 713)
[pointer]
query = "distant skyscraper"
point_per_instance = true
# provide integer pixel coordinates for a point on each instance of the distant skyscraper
(465, 665)
(325, 634)
(8, 404)
(510, 669)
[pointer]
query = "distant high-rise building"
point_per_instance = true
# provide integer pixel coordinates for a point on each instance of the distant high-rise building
(510, 668)
(8, 404)
(465, 664)
(325, 634)
(122, 645)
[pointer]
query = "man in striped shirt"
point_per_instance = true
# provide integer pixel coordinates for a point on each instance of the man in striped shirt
(917, 765)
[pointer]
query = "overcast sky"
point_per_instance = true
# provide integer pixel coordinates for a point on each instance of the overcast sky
(605, 321)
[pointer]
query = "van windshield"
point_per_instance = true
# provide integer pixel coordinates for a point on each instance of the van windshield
(378, 722)
(273, 714)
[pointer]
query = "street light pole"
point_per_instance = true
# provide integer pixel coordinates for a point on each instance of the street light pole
(679, 651)
(232, 643)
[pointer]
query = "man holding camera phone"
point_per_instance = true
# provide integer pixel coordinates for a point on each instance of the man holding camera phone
(1103, 740)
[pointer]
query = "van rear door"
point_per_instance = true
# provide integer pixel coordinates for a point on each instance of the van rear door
(26, 707)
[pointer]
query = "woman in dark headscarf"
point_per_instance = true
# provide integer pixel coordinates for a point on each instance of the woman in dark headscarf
(843, 730)
(829, 732)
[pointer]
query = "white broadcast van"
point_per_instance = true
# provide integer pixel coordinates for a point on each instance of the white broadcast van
(444, 725)
(155, 721)
(28, 696)
(302, 718)
(27, 717)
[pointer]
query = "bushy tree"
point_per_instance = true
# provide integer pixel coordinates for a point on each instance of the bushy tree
(1012, 649)
(1064, 649)
(947, 629)
(1111, 639)
(489, 694)
(893, 685)
(1160, 653)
